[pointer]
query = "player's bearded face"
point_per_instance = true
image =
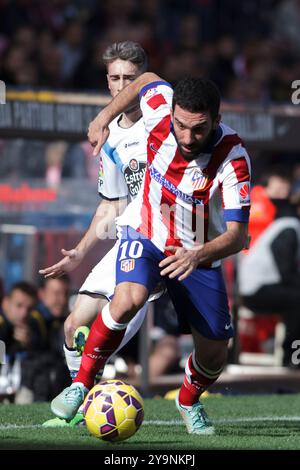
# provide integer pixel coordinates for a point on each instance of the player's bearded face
(192, 131)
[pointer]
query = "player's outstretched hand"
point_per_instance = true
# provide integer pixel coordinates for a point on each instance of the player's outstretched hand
(181, 264)
(72, 259)
(98, 133)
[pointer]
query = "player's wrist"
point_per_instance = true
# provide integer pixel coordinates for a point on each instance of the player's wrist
(105, 116)
(203, 255)
(80, 252)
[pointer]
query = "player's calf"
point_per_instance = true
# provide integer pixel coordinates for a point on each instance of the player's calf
(70, 326)
(105, 336)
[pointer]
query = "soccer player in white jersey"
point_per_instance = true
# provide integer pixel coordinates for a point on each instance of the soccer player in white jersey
(193, 211)
(122, 168)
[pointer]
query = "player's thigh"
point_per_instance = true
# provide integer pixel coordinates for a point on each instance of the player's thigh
(201, 301)
(102, 279)
(137, 267)
(86, 309)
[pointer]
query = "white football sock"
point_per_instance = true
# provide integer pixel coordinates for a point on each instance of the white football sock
(109, 322)
(72, 359)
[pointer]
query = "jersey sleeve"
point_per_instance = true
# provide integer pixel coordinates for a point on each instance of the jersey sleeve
(111, 183)
(156, 104)
(234, 183)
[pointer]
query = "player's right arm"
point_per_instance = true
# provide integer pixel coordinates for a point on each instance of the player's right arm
(101, 223)
(98, 129)
(113, 191)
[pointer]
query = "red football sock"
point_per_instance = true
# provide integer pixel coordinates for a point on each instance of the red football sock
(196, 381)
(101, 343)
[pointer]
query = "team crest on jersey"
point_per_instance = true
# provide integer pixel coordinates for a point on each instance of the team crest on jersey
(127, 265)
(199, 181)
(149, 93)
(134, 164)
(243, 190)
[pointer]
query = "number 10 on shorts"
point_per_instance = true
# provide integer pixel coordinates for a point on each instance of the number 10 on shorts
(132, 249)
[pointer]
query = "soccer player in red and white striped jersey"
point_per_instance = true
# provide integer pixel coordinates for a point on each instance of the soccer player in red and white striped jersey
(185, 179)
(192, 211)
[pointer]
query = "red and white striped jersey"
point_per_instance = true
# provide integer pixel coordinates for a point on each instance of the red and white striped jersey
(185, 203)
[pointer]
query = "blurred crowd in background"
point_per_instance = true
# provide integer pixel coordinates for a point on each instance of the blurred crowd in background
(32, 328)
(250, 48)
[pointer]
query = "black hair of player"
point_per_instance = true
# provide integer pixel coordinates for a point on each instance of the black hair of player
(197, 95)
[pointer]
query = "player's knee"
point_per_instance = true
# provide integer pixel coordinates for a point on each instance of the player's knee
(131, 297)
(126, 303)
(137, 299)
(124, 311)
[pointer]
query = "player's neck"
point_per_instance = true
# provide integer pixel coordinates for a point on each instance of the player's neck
(129, 119)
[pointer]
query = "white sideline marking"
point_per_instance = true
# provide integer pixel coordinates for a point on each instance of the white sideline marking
(229, 420)
(174, 422)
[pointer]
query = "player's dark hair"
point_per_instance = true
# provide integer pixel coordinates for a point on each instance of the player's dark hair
(24, 287)
(197, 95)
(126, 50)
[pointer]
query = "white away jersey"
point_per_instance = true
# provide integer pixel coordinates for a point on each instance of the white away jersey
(183, 203)
(122, 161)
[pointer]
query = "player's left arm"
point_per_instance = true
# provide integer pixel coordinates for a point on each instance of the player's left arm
(184, 261)
(234, 181)
(98, 131)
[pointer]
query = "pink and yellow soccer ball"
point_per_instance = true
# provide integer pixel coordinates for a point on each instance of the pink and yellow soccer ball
(113, 410)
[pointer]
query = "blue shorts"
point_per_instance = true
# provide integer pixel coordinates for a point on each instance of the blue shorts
(200, 300)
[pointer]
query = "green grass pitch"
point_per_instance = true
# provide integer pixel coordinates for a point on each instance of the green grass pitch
(242, 422)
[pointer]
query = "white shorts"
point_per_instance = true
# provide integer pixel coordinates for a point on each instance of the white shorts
(102, 278)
